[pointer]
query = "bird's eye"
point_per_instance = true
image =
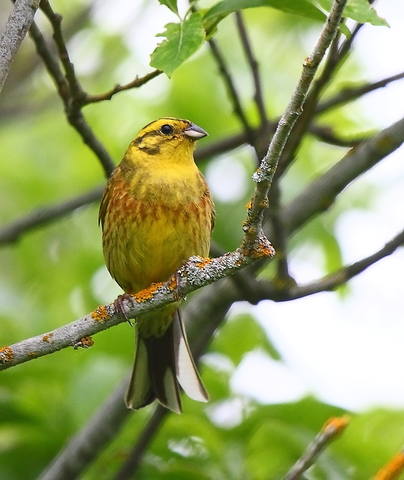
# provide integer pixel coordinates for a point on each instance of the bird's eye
(166, 129)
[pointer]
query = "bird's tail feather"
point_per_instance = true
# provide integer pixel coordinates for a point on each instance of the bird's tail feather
(162, 365)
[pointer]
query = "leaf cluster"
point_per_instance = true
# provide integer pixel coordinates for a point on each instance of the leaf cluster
(184, 38)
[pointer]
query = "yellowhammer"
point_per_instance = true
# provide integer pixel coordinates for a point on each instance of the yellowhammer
(157, 212)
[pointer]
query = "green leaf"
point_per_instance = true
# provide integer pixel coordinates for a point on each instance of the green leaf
(363, 12)
(182, 40)
(358, 10)
(302, 8)
(235, 345)
(171, 4)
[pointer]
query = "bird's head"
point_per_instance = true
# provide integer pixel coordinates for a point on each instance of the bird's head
(168, 137)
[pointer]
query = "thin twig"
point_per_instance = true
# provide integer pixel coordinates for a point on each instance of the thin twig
(17, 26)
(331, 281)
(336, 56)
(50, 61)
(73, 112)
(254, 67)
(319, 195)
(56, 21)
(231, 88)
(283, 276)
(286, 157)
(352, 93)
(331, 429)
(265, 173)
(136, 83)
(327, 135)
(69, 88)
(393, 469)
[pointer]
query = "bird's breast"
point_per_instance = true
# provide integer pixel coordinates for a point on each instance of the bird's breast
(152, 226)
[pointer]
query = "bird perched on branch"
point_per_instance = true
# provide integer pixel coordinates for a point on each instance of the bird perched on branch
(157, 212)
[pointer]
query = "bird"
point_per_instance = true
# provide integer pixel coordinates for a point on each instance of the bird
(156, 212)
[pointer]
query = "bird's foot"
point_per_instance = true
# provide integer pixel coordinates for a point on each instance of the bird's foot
(177, 286)
(119, 306)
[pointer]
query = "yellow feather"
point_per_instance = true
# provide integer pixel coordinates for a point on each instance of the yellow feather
(156, 212)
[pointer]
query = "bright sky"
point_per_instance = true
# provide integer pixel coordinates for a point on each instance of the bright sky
(347, 352)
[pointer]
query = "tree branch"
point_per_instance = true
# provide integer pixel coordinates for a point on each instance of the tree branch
(340, 277)
(331, 429)
(331, 281)
(352, 93)
(319, 195)
(231, 88)
(71, 104)
(136, 83)
(393, 469)
(196, 273)
(336, 56)
(212, 302)
(44, 215)
(265, 173)
(18, 23)
(254, 67)
(283, 277)
(327, 135)
(56, 21)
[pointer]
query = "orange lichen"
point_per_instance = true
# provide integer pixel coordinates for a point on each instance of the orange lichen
(47, 337)
(100, 314)
(203, 263)
(393, 469)
(173, 283)
(147, 293)
(84, 342)
(266, 250)
(248, 205)
(336, 425)
(6, 354)
(260, 250)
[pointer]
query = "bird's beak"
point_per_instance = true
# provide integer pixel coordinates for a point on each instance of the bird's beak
(195, 132)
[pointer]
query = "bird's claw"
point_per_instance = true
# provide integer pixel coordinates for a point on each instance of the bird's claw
(177, 289)
(119, 307)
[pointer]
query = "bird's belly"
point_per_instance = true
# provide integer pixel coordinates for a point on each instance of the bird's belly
(151, 247)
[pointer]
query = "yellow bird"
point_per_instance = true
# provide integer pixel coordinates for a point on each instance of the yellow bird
(157, 212)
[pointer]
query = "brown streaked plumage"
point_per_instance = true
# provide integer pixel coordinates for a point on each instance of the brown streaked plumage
(156, 212)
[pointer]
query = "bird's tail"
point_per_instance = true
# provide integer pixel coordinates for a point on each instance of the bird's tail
(162, 365)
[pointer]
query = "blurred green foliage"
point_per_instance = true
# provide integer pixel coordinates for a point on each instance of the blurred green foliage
(55, 274)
